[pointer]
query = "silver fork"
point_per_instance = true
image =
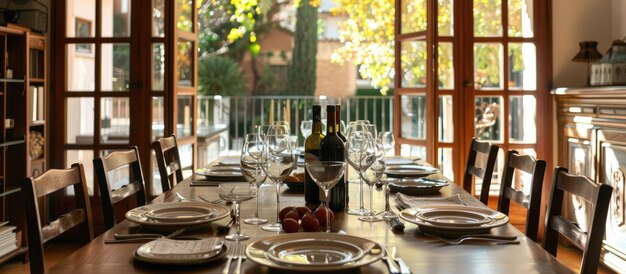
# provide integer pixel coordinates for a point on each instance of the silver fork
(495, 240)
(232, 254)
(241, 256)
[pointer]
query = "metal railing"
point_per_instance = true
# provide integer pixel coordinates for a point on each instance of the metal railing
(241, 113)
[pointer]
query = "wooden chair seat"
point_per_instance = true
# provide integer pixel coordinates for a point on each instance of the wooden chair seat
(536, 168)
(117, 161)
(168, 161)
(485, 173)
(590, 239)
(51, 181)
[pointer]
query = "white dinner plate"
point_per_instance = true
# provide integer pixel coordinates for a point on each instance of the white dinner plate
(446, 217)
(212, 249)
(497, 219)
(416, 186)
(138, 214)
(221, 173)
(257, 251)
(184, 213)
(410, 171)
(312, 251)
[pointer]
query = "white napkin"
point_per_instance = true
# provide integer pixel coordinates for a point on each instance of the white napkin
(164, 246)
(406, 201)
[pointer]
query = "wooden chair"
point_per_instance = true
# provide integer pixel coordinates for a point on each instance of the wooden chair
(589, 241)
(135, 185)
(168, 160)
(50, 182)
(536, 168)
(471, 170)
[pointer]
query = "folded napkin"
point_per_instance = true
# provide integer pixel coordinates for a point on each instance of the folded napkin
(164, 246)
(406, 201)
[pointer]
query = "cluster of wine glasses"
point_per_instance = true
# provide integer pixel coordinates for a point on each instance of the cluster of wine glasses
(365, 151)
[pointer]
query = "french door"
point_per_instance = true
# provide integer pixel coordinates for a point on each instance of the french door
(124, 76)
(469, 69)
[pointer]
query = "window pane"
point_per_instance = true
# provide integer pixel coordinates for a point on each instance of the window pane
(158, 66)
(186, 159)
(185, 15)
(523, 119)
(522, 66)
(445, 66)
(184, 62)
(413, 151)
(185, 116)
(488, 65)
(487, 122)
(158, 117)
(413, 58)
(487, 18)
(115, 120)
(158, 18)
(81, 18)
(413, 116)
(81, 64)
(413, 15)
(116, 18)
(445, 162)
(115, 67)
(86, 158)
(520, 18)
(79, 121)
(446, 119)
(445, 20)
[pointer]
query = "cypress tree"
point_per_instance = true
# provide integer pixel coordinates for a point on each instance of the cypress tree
(302, 70)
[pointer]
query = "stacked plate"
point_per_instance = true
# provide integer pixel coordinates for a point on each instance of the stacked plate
(450, 220)
(222, 173)
(171, 216)
(416, 186)
(314, 252)
(181, 252)
(401, 171)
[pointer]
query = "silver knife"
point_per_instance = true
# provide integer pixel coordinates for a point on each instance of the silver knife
(394, 268)
(404, 269)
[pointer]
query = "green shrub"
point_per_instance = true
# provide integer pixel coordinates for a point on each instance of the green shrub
(218, 75)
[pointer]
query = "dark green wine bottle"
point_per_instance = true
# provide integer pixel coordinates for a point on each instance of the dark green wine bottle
(332, 149)
(312, 153)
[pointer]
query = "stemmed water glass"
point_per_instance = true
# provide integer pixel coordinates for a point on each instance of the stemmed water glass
(277, 161)
(252, 170)
(326, 174)
(306, 127)
(236, 193)
(387, 140)
(355, 150)
(373, 173)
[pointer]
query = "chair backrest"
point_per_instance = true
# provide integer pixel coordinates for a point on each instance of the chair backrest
(168, 161)
(536, 168)
(484, 173)
(590, 241)
(50, 182)
(133, 184)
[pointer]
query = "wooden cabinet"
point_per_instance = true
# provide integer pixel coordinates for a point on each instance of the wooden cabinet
(22, 120)
(592, 142)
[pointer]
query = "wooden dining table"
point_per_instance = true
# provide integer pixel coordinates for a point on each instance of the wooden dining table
(421, 253)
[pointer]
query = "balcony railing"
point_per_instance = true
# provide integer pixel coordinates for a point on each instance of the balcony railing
(238, 115)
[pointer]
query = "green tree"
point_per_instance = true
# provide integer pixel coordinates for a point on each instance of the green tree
(302, 72)
(220, 75)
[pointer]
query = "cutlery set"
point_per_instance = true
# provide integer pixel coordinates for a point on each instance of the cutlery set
(236, 252)
(495, 239)
(396, 264)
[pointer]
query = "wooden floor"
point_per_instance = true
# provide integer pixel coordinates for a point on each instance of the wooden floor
(56, 252)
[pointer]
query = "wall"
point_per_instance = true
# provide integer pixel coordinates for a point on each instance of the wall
(580, 20)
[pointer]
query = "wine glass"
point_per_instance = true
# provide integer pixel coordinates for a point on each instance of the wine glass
(387, 139)
(252, 171)
(326, 174)
(236, 193)
(306, 127)
(277, 161)
(355, 150)
(373, 173)
(262, 130)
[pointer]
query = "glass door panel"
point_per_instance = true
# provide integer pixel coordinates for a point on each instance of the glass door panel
(413, 117)
(79, 120)
(446, 119)
(115, 18)
(413, 58)
(445, 17)
(115, 67)
(158, 66)
(522, 59)
(521, 18)
(445, 66)
(185, 63)
(115, 120)
(80, 67)
(488, 65)
(487, 18)
(488, 124)
(414, 16)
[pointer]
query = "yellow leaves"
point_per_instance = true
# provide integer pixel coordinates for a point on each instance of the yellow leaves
(235, 34)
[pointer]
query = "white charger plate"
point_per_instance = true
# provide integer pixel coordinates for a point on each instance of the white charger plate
(416, 186)
(180, 214)
(145, 254)
(410, 171)
(497, 219)
(138, 214)
(312, 251)
(257, 251)
(446, 217)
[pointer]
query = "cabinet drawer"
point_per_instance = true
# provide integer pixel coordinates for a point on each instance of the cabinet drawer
(37, 168)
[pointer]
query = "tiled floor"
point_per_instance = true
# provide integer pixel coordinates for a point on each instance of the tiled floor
(57, 251)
